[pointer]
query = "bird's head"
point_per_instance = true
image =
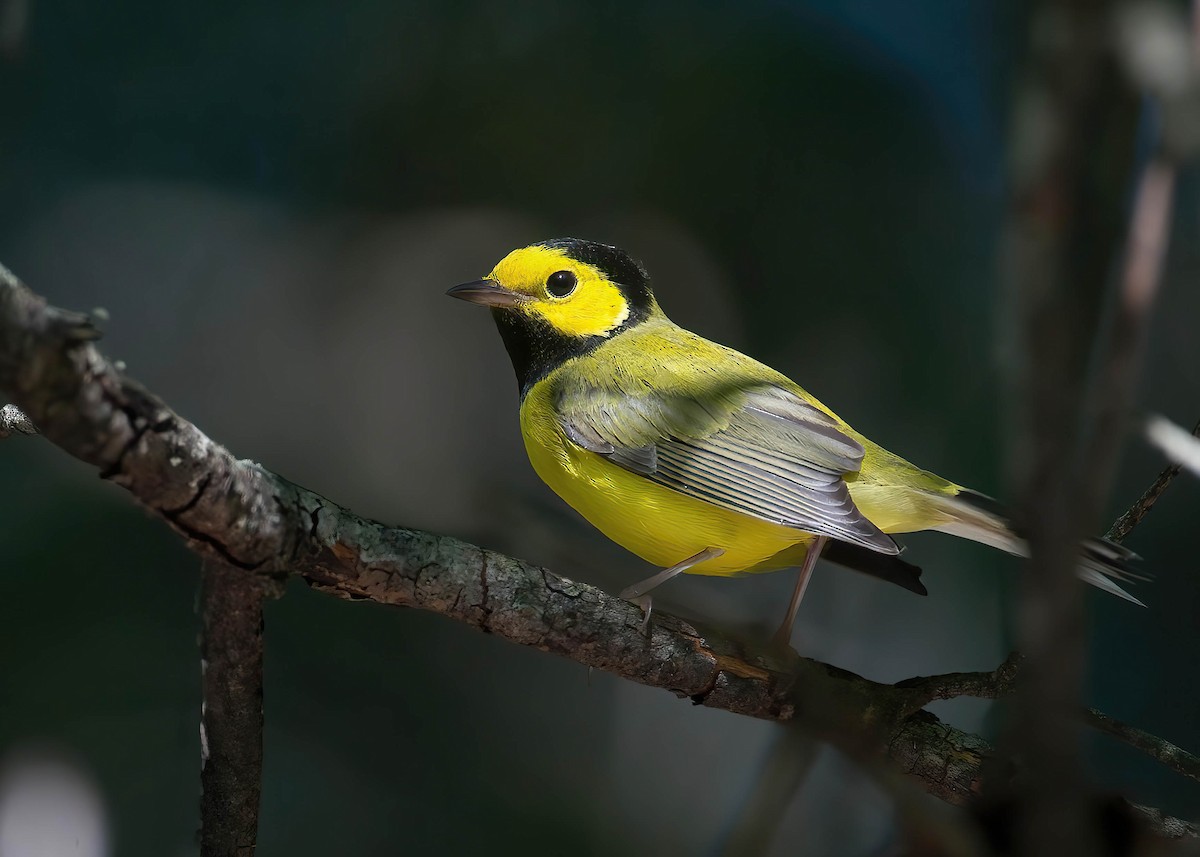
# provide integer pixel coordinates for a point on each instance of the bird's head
(559, 299)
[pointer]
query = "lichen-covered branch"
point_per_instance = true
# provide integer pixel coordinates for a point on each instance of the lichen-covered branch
(243, 516)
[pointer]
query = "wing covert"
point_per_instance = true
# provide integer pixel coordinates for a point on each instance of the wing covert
(763, 452)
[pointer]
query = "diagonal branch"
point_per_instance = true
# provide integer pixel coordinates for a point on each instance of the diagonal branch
(237, 513)
(1176, 758)
(1125, 524)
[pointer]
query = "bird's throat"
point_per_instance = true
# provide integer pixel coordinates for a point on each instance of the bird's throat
(537, 349)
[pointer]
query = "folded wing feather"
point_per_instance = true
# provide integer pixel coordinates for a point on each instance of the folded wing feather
(763, 452)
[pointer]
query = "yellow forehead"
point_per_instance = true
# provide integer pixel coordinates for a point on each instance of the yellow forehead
(527, 269)
(596, 307)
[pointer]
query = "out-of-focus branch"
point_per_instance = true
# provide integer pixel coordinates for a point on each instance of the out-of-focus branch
(1177, 444)
(258, 524)
(1112, 390)
(1074, 136)
(1001, 682)
(783, 771)
(14, 25)
(231, 717)
(1073, 142)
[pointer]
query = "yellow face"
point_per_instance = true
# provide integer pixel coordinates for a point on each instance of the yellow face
(574, 298)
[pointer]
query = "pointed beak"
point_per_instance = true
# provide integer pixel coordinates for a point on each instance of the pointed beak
(487, 293)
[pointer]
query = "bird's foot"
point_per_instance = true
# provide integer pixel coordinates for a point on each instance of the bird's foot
(782, 639)
(634, 595)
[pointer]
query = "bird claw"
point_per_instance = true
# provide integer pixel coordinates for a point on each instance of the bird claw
(782, 640)
(644, 601)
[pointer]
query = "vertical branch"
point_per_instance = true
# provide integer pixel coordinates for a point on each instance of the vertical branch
(1112, 394)
(1073, 142)
(231, 720)
(1160, 53)
(786, 766)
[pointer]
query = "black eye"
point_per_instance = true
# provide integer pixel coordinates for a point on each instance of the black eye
(561, 283)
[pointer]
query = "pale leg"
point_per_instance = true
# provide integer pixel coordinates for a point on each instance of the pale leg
(639, 592)
(784, 634)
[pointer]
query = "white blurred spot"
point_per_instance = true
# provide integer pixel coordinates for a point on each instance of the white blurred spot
(1179, 445)
(1156, 44)
(49, 807)
(14, 24)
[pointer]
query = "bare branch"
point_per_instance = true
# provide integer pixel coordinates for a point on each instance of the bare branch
(998, 683)
(245, 517)
(1175, 758)
(237, 512)
(231, 718)
(1124, 525)
(1001, 682)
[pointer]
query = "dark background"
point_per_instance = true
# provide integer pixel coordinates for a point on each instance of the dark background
(270, 199)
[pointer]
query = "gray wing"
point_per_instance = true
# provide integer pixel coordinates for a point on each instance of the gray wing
(764, 452)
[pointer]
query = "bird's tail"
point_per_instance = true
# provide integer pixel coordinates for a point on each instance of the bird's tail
(981, 519)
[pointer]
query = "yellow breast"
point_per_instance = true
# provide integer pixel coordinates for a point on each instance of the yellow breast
(661, 526)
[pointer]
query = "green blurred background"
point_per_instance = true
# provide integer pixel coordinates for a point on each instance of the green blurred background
(270, 199)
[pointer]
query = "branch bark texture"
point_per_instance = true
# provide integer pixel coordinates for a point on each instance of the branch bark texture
(231, 719)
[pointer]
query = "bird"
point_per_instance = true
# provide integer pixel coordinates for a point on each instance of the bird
(700, 459)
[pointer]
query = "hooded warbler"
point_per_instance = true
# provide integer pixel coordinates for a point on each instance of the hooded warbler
(700, 459)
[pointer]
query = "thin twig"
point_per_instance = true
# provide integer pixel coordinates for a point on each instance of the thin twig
(231, 723)
(1176, 758)
(1124, 525)
(1001, 681)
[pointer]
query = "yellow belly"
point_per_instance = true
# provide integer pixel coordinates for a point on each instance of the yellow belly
(665, 527)
(661, 526)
